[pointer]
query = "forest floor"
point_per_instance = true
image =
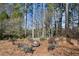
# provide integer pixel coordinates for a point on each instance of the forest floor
(64, 49)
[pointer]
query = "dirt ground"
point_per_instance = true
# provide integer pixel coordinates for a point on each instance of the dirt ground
(64, 49)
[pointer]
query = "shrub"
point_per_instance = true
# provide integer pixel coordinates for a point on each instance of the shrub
(51, 40)
(42, 38)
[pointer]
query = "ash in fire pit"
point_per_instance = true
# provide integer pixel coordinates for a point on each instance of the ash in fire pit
(35, 43)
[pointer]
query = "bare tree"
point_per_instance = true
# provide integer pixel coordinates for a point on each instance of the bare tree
(33, 20)
(43, 31)
(66, 19)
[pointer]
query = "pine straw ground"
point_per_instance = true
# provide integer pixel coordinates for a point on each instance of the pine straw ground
(64, 49)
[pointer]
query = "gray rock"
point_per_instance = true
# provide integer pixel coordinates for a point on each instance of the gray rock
(26, 48)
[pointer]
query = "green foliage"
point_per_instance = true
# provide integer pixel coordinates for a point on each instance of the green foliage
(42, 38)
(3, 16)
(16, 14)
(50, 6)
(16, 6)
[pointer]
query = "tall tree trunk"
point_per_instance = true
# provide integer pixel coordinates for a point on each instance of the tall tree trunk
(33, 21)
(66, 19)
(25, 15)
(43, 31)
(78, 16)
(54, 23)
(60, 24)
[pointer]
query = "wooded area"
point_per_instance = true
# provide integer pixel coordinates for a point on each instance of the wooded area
(40, 23)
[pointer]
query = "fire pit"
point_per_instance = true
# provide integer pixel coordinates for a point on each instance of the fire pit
(36, 43)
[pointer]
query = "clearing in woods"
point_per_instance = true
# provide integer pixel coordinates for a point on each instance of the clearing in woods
(65, 48)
